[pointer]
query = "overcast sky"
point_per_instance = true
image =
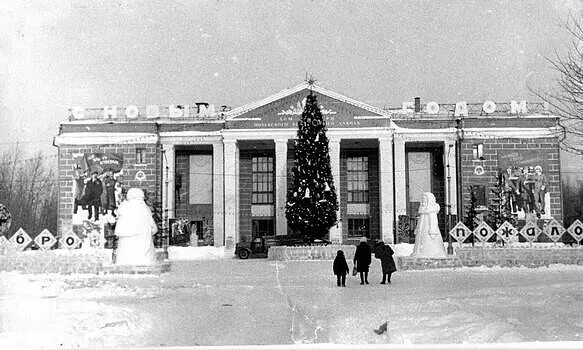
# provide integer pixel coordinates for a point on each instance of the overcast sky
(58, 53)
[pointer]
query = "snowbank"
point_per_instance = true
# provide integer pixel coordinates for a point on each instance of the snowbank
(67, 312)
(199, 253)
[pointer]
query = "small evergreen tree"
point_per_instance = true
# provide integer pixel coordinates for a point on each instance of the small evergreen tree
(471, 213)
(311, 200)
(499, 210)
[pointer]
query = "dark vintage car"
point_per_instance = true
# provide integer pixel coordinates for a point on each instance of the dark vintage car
(259, 246)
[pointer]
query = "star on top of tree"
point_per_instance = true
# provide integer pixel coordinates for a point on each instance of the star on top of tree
(311, 80)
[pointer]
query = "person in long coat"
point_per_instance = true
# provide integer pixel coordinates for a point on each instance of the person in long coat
(92, 196)
(384, 252)
(135, 228)
(340, 268)
(362, 260)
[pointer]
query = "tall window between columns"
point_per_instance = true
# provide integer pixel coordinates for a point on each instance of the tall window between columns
(262, 170)
(357, 179)
(357, 183)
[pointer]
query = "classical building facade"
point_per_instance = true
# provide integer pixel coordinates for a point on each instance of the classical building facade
(225, 171)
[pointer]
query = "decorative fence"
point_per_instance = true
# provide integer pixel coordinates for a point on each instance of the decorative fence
(509, 234)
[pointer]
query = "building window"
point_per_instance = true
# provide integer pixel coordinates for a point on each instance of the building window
(262, 228)
(357, 179)
(262, 170)
(140, 156)
(358, 227)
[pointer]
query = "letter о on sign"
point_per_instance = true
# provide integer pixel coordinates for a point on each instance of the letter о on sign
(489, 107)
(70, 241)
(432, 108)
(132, 112)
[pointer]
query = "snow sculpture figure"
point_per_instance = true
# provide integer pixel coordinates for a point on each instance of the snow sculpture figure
(428, 241)
(135, 227)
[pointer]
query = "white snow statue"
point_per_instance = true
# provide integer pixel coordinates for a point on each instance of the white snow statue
(428, 242)
(135, 227)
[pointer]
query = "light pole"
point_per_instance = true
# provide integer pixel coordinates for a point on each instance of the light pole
(165, 226)
(448, 204)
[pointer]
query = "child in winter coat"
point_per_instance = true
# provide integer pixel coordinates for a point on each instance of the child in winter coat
(340, 268)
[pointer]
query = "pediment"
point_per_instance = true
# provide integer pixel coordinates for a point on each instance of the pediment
(283, 110)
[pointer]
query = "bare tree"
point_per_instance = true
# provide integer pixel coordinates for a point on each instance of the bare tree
(567, 99)
(28, 188)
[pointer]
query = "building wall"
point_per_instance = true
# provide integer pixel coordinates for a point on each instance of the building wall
(546, 149)
(151, 167)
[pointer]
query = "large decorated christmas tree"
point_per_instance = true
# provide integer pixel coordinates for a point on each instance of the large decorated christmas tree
(311, 200)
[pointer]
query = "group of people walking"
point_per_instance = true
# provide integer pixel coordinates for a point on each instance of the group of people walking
(362, 260)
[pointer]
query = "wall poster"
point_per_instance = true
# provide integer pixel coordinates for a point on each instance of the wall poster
(525, 183)
(97, 192)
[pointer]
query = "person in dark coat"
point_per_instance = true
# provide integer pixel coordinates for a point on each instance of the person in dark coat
(385, 254)
(340, 268)
(92, 197)
(362, 259)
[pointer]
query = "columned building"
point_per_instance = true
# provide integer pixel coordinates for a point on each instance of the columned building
(225, 172)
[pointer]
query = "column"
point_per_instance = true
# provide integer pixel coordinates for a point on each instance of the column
(386, 206)
(231, 193)
(280, 186)
(218, 195)
(400, 176)
(451, 194)
(334, 150)
(168, 175)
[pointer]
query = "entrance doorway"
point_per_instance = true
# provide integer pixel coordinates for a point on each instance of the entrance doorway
(425, 173)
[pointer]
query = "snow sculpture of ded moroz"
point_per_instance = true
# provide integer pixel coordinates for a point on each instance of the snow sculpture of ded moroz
(428, 241)
(135, 227)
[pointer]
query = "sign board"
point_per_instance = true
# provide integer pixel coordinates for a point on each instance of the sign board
(96, 239)
(99, 162)
(507, 233)
(521, 158)
(70, 240)
(554, 230)
(576, 230)
(20, 240)
(45, 240)
(460, 232)
(483, 232)
(530, 231)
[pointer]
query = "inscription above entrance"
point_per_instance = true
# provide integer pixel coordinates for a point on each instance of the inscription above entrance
(286, 112)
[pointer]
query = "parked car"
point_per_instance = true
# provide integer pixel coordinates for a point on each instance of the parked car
(259, 246)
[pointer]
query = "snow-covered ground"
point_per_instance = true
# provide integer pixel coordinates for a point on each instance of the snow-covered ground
(224, 301)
